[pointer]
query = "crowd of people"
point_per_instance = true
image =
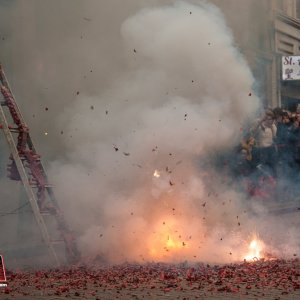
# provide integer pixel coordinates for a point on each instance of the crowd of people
(270, 151)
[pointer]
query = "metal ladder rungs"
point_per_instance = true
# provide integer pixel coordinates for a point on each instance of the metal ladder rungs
(34, 186)
(29, 166)
(14, 130)
(45, 213)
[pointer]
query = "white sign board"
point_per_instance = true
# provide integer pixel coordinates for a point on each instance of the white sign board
(291, 67)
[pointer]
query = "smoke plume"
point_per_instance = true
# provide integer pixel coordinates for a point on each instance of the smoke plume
(185, 93)
(138, 99)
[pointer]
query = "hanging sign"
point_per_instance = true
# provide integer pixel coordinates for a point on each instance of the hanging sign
(290, 67)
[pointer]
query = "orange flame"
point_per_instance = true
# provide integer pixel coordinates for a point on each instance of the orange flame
(255, 250)
(166, 240)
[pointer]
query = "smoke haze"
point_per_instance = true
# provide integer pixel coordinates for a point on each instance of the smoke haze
(178, 100)
(156, 86)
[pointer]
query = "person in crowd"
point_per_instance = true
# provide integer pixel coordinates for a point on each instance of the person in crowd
(244, 167)
(248, 145)
(294, 140)
(244, 160)
(265, 136)
(290, 114)
(277, 111)
(284, 153)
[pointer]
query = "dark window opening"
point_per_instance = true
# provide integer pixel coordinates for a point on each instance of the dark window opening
(289, 103)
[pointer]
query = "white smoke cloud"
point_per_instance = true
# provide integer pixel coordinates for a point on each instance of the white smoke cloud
(184, 95)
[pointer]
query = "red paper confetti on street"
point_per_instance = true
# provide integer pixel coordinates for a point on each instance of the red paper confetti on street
(275, 278)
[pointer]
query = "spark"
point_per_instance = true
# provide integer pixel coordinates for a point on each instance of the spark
(156, 174)
(255, 249)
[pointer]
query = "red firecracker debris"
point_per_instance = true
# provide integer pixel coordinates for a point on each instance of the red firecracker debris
(279, 276)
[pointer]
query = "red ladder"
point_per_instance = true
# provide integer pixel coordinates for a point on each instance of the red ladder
(26, 166)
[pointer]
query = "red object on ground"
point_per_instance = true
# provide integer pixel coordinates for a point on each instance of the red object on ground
(281, 276)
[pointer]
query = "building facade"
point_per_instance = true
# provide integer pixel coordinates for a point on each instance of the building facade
(287, 42)
(265, 30)
(281, 35)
